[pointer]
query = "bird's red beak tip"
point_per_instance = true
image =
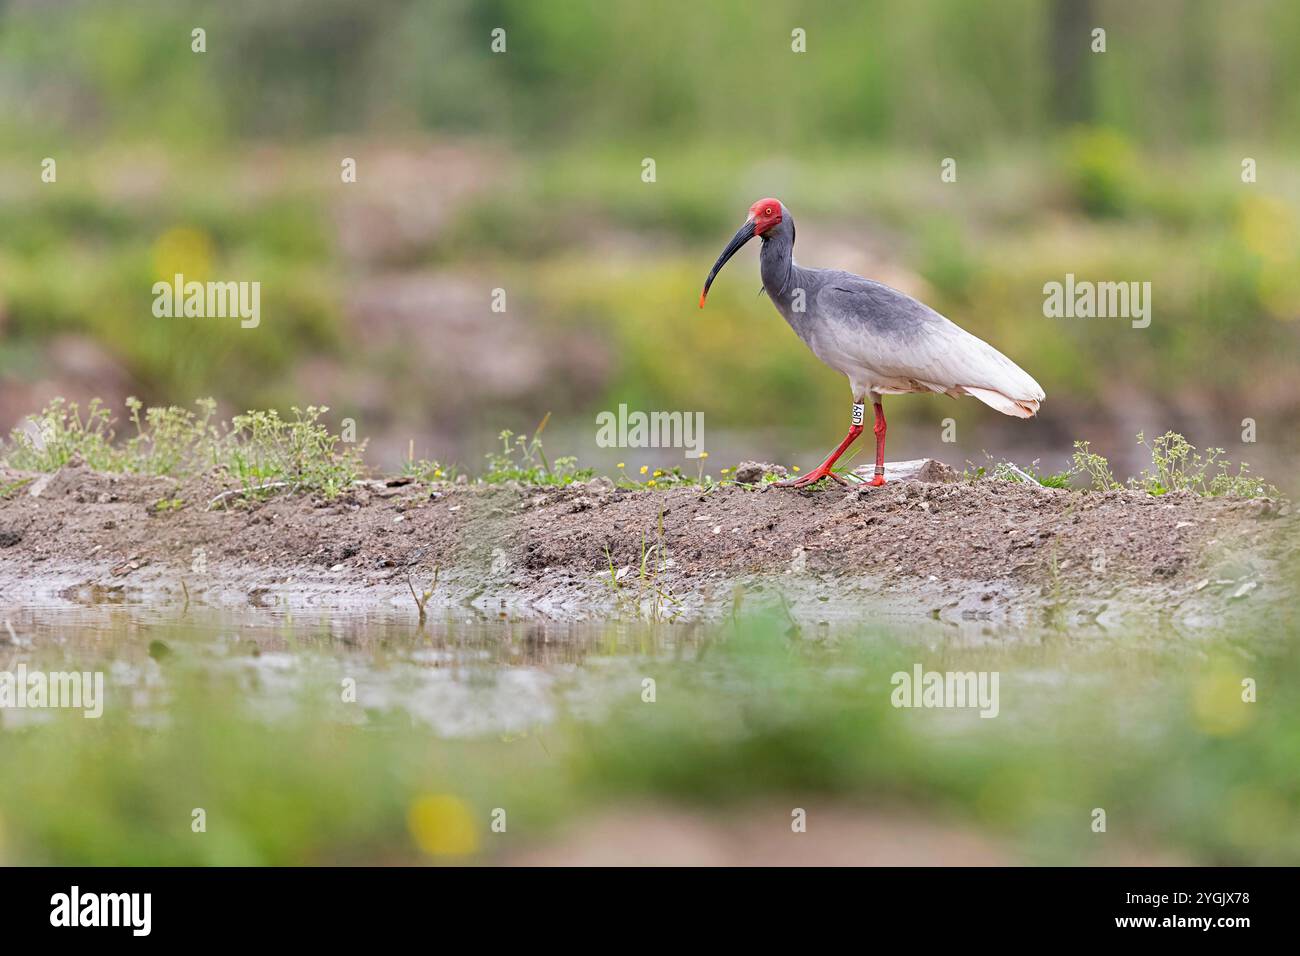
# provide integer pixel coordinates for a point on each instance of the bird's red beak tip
(702, 295)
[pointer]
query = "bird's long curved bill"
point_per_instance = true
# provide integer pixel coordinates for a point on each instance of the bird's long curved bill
(742, 236)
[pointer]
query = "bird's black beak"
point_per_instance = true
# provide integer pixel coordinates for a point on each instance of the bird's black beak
(742, 236)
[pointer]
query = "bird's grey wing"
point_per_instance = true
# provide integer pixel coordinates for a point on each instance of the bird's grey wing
(900, 338)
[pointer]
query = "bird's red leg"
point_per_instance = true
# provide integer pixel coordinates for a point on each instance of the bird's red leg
(879, 479)
(824, 469)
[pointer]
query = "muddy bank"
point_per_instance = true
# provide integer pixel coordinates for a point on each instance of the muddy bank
(989, 551)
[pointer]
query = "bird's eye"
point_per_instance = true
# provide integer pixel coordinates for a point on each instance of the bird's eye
(767, 211)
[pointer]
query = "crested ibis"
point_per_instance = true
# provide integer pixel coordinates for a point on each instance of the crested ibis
(885, 342)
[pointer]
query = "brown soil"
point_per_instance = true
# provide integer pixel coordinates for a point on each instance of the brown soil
(989, 551)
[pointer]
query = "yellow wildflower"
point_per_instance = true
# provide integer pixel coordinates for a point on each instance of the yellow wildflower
(442, 825)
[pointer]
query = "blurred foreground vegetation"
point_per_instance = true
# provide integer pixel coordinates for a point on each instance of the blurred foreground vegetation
(747, 711)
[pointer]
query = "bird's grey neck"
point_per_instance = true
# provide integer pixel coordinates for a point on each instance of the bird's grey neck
(776, 262)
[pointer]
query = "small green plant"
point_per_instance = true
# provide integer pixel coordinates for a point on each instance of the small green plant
(524, 459)
(614, 584)
(1096, 467)
(167, 441)
(428, 471)
(669, 478)
(171, 440)
(258, 448)
(10, 488)
(422, 598)
(1176, 465)
(167, 505)
(264, 450)
(653, 560)
(1009, 471)
(59, 434)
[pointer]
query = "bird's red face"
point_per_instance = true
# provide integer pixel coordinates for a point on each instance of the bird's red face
(766, 213)
(763, 215)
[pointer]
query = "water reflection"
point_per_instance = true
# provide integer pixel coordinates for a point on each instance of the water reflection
(465, 673)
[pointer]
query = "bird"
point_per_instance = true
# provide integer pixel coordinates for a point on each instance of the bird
(884, 341)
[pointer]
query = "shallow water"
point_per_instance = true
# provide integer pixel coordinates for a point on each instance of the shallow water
(466, 674)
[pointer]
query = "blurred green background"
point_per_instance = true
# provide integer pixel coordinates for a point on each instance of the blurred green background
(522, 171)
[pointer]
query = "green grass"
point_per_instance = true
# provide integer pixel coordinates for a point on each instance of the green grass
(1093, 467)
(1176, 465)
(257, 448)
(1010, 471)
(10, 488)
(428, 470)
(261, 448)
(523, 459)
(265, 453)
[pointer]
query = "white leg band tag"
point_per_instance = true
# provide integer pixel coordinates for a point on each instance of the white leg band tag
(859, 414)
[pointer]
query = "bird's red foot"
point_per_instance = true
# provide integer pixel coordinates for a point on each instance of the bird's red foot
(877, 481)
(814, 476)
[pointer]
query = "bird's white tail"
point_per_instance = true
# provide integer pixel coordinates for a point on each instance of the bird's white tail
(1019, 408)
